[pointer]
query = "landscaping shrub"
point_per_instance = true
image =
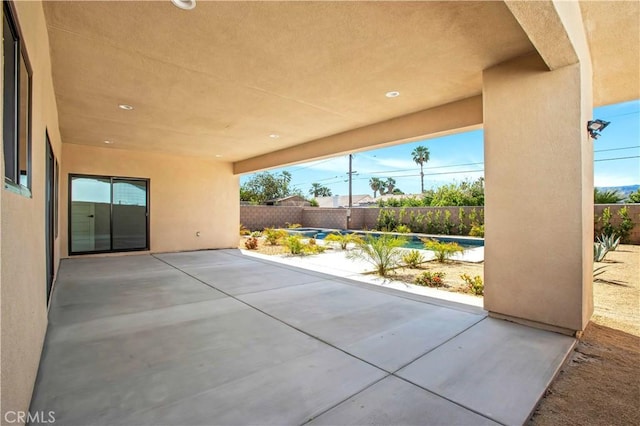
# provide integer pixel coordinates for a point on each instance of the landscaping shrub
(625, 227)
(431, 279)
(477, 231)
(608, 228)
(387, 221)
(294, 244)
(251, 243)
(403, 229)
(474, 285)
(413, 258)
(274, 236)
(344, 239)
(244, 230)
(297, 247)
(382, 252)
(443, 251)
(292, 225)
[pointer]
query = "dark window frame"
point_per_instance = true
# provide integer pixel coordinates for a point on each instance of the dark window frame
(11, 140)
(111, 249)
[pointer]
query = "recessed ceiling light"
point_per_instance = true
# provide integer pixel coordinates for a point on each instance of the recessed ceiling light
(108, 142)
(125, 107)
(218, 155)
(274, 136)
(393, 94)
(184, 4)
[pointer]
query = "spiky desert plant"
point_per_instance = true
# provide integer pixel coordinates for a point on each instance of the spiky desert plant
(382, 252)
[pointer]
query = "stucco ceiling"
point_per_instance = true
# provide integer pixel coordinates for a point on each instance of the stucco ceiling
(218, 80)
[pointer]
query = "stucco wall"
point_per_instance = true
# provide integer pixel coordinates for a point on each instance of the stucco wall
(22, 266)
(187, 195)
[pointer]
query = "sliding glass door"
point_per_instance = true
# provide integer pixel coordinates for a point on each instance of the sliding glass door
(108, 214)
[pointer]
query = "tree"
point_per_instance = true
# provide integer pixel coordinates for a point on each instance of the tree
(606, 197)
(318, 190)
(376, 185)
(266, 186)
(389, 186)
(467, 193)
(634, 197)
(421, 156)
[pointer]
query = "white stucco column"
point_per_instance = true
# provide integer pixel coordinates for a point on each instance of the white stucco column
(539, 193)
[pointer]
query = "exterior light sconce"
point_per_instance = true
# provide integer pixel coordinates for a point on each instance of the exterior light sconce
(594, 127)
(184, 4)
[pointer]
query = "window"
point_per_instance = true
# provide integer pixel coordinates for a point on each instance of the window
(16, 130)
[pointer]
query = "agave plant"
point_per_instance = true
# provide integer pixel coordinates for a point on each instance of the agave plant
(610, 242)
(599, 252)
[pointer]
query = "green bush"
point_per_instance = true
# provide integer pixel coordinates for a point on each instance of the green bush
(474, 285)
(383, 252)
(387, 221)
(343, 239)
(626, 224)
(274, 236)
(431, 279)
(443, 251)
(413, 258)
(403, 229)
(608, 228)
(244, 230)
(294, 244)
(292, 225)
(297, 247)
(477, 231)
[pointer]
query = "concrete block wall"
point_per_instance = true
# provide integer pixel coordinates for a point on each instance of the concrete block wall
(259, 217)
(324, 218)
(256, 218)
(634, 214)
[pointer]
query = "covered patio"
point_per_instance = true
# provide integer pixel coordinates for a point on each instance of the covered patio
(216, 337)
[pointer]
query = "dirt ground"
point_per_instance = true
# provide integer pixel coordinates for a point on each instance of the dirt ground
(600, 383)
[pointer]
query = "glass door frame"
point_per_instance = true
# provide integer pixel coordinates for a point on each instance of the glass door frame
(111, 180)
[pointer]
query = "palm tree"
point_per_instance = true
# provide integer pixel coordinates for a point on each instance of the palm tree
(390, 185)
(318, 190)
(376, 185)
(421, 156)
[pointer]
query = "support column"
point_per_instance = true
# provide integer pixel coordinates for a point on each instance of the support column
(539, 193)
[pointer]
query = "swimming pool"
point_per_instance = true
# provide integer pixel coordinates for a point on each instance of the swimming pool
(413, 240)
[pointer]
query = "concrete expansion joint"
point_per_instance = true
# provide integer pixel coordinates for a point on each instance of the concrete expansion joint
(387, 372)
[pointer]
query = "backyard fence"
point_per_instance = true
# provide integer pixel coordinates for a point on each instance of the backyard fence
(450, 220)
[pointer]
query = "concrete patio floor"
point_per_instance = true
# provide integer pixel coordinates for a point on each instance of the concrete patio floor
(219, 338)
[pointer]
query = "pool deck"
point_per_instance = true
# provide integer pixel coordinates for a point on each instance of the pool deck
(222, 338)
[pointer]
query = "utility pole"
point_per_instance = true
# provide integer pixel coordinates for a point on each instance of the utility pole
(351, 173)
(350, 181)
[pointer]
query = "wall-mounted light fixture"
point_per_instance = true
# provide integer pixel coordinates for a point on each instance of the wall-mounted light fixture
(184, 4)
(594, 127)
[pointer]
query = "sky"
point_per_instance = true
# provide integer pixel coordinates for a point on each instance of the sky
(455, 158)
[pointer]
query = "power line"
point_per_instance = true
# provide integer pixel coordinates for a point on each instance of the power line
(617, 149)
(619, 158)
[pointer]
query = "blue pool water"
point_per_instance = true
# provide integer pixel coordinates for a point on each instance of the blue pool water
(413, 240)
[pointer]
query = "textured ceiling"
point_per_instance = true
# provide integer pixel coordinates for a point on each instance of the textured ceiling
(219, 79)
